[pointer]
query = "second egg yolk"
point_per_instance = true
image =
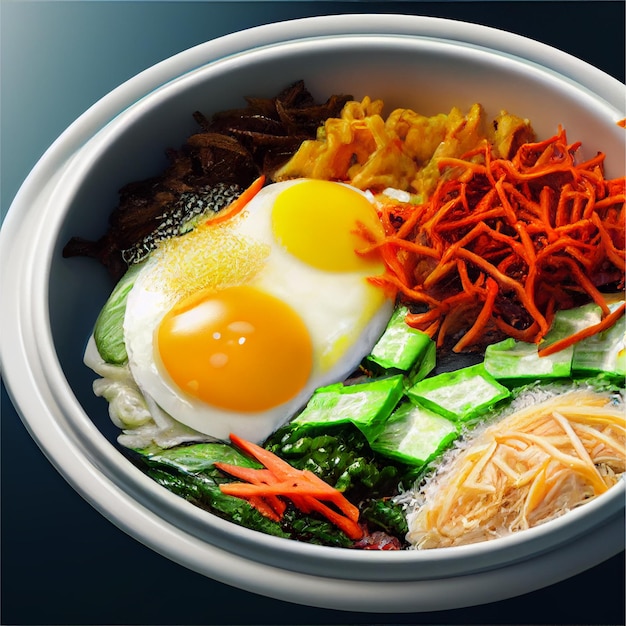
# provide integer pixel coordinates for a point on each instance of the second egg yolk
(239, 349)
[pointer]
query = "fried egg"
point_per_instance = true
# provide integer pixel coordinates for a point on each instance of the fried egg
(231, 327)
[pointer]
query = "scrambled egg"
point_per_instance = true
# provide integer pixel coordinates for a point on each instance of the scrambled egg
(404, 150)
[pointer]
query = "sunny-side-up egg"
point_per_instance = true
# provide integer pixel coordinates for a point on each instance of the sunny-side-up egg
(231, 327)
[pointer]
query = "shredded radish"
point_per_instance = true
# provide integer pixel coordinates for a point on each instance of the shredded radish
(531, 466)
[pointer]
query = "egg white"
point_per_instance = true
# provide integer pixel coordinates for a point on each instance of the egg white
(342, 312)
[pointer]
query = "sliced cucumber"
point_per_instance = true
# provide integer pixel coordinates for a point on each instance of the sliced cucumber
(459, 395)
(400, 348)
(603, 352)
(513, 362)
(366, 405)
(414, 434)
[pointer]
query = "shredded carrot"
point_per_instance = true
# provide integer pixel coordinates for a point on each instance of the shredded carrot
(237, 205)
(266, 488)
(542, 230)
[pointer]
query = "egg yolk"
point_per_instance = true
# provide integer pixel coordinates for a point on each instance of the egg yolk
(239, 349)
(324, 224)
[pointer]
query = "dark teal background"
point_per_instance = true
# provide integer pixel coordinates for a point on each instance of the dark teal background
(62, 562)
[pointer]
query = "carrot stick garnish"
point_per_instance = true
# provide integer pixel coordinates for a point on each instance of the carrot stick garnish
(237, 205)
(266, 488)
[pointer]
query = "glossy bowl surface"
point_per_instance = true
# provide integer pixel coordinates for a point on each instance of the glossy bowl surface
(50, 303)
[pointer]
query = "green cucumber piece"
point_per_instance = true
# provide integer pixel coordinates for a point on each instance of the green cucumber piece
(400, 347)
(460, 395)
(602, 353)
(415, 435)
(366, 405)
(567, 322)
(510, 361)
(108, 331)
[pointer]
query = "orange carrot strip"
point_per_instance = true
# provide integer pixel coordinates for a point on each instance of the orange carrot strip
(302, 487)
(417, 320)
(508, 282)
(560, 244)
(305, 494)
(441, 213)
(609, 201)
(442, 270)
(250, 474)
(586, 284)
(256, 477)
(450, 320)
(545, 200)
(265, 508)
(563, 208)
(483, 317)
(607, 322)
(281, 469)
(472, 218)
(415, 295)
(528, 209)
(593, 162)
(452, 162)
(287, 488)
(237, 205)
(589, 192)
(395, 241)
(348, 526)
(527, 335)
(449, 254)
(351, 511)
(506, 205)
(466, 283)
(615, 256)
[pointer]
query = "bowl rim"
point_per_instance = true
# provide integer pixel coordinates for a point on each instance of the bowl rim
(97, 118)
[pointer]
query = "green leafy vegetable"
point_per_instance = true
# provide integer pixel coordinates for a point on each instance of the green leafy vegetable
(203, 491)
(189, 472)
(109, 327)
(199, 457)
(386, 515)
(340, 455)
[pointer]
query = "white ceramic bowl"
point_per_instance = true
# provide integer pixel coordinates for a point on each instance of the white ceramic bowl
(49, 303)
